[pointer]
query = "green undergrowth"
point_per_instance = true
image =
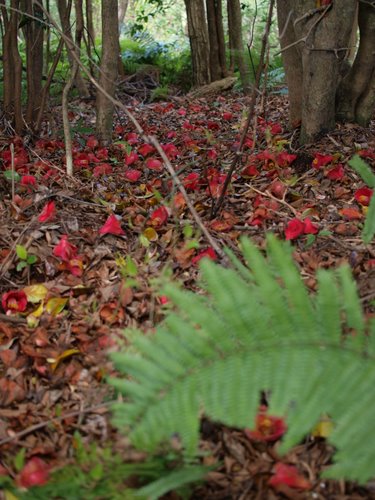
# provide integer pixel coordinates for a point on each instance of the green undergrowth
(256, 329)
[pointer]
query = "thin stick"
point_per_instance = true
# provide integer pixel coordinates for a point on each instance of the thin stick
(269, 195)
(65, 113)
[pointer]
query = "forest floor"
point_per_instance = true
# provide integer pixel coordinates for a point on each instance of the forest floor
(83, 292)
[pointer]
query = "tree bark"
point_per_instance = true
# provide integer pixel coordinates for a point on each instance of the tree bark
(198, 36)
(33, 32)
(236, 43)
(292, 60)
(216, 39)
(122, 8)
(356, 94)
(65, 23)
(320, 40)
(108, 69)
(90, 38)
(12, 67)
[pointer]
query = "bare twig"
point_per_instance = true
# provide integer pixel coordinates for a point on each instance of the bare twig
(315, 23)
(269, 195)
(65, 113)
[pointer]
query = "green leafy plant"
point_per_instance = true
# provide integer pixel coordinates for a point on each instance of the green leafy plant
(256, 329)
(368, 178)
(25, 259)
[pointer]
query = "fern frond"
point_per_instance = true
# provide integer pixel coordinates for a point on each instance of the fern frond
(256, 329)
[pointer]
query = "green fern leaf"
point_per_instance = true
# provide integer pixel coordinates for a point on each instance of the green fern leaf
(256, 329)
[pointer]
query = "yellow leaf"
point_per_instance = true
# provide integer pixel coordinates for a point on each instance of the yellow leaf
(66, 354)
(323, 428)
(33, 318)
(55, 305)
(35, 293)
(150, 234)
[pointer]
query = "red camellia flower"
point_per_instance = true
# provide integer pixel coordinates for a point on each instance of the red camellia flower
(132, 175)
(48, 213)
(212, 154)
(227, 116)
(81, 160)
(294, 229)
(288, 475)
(154, 164)
(28, 181)
(336, 173)
(34, 473)
(363, 196)
(132, 138)
(170, 150)
(250, 171)
(65, 250)
(284, 159)
(321, 160)
(111, 226)
(102, 169)
(14, 301)
(191, 181)
(146, 149)
(131, 158)
(267, 427)
(309, 228)
(102, 154)
(92, 142)
(159, 216)
(208, 253)
(367, 153)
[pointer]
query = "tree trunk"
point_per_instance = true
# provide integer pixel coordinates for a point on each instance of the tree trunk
(198, 36)
(216, 39)
(320, 39)
(12, 67)
(122, 8)
(108, 69)
(236, 43)
(65, 23)
(292, 60)
(356, 94)
(33, 32)
(90, 38)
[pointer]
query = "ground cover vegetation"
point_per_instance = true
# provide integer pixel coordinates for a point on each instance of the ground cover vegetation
(187, 259)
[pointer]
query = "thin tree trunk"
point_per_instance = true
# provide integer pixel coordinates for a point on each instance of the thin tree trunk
(198, 36)
(292, 60)
(12, 68)
(122, 8)
(213, 8)
(356, 99)
(108, 67)
(236, 43)
(33, 32)
(65, 23)
(90, 38)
